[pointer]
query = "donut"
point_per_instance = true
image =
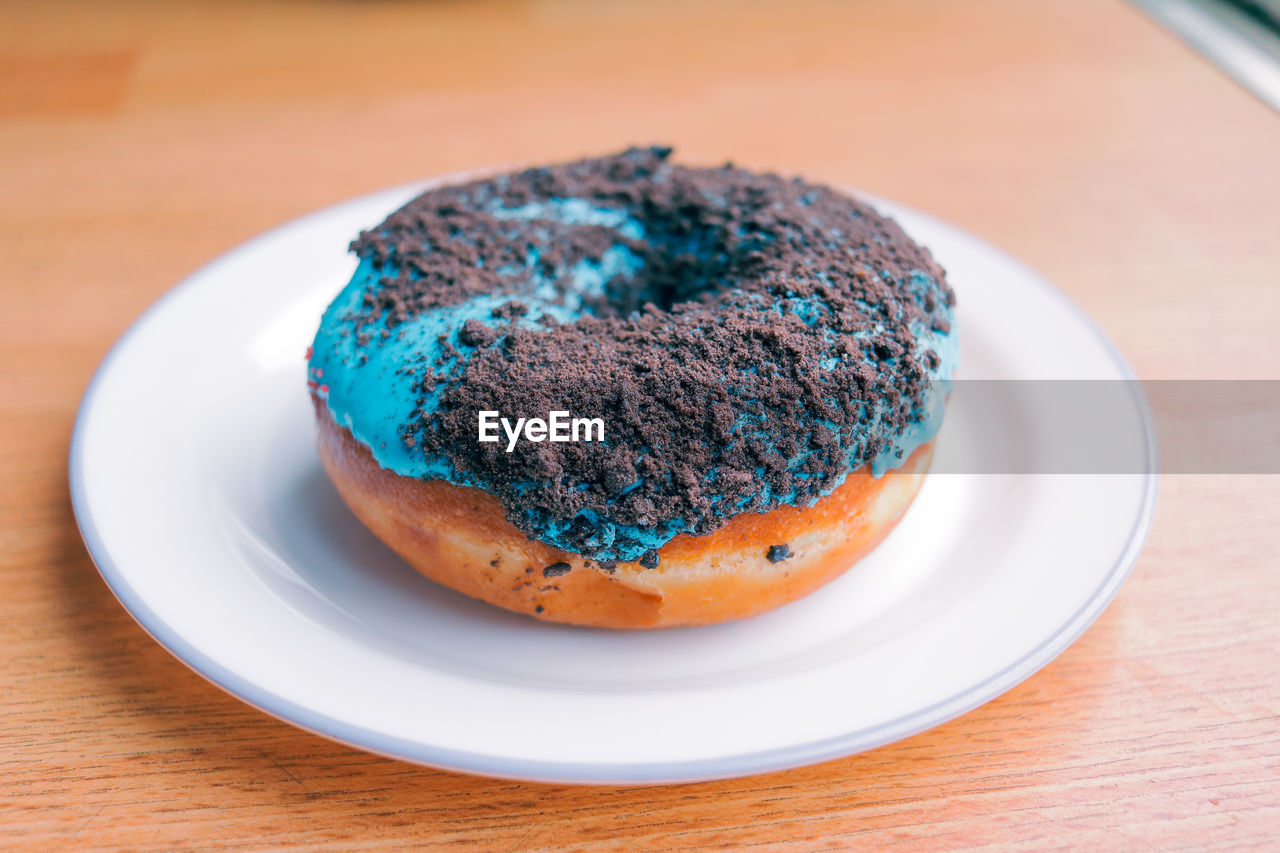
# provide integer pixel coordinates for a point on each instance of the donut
(628, 393)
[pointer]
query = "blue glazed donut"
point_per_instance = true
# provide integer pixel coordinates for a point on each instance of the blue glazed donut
(745, 341)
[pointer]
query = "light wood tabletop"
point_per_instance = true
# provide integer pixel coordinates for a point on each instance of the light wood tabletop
(138, 140)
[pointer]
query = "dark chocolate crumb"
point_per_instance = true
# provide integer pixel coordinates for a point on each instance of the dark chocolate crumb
(778, 553)
(476, 334)
(539, 608)
(556, 569)
(732, 367)
(649, 559)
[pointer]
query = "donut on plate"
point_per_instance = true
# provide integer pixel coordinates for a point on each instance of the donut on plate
(627, 393)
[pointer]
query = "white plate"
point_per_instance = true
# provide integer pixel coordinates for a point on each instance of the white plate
(200, 496)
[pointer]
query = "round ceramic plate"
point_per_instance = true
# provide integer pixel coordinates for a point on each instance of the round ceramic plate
(201, 499)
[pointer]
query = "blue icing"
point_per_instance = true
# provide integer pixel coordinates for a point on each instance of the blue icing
(572, 211)
(373, 390)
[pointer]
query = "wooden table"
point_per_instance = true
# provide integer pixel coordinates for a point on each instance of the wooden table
(140, 139)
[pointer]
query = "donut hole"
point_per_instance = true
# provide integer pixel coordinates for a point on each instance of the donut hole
(680, 265)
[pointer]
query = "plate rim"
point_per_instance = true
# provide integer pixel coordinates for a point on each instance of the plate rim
(571, 772)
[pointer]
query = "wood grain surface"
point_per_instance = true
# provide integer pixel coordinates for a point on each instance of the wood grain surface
(140, 139)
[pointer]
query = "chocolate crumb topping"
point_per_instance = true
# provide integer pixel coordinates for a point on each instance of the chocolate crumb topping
(555, 570)
(759, 338)
(778, 553)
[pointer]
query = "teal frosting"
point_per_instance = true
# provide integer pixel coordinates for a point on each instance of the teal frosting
(374, 389)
